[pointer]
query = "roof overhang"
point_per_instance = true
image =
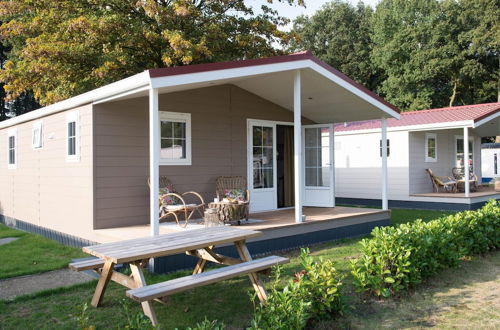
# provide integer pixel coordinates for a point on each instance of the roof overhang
(328, 96)
(488, 125)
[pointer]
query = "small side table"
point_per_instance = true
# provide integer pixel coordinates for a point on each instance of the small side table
(230, 212)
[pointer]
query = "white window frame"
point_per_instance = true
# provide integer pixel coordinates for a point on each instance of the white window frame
(177, 117)
(37, 138)
(427, 137)
(73, 116)
(10, 133)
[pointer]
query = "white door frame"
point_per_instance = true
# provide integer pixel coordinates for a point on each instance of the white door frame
(331, 188)
(268, 123)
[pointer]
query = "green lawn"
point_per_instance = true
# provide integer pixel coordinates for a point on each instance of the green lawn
(32, 254)
(229, 300)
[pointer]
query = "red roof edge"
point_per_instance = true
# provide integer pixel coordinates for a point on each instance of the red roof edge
(304, 55)
(486, 115)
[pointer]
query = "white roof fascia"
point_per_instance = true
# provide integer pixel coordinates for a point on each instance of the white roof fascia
(222, 74)
(413, 128)
(124, 94)
(487, 119)
(353, 89)
(121, 86)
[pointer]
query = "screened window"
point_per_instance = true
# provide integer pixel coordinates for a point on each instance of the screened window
(263, 162)
(11, 149)
(72, 137)
(430, 147)
(388, 147)
(495, 163)
(36, 141)
(175, 138)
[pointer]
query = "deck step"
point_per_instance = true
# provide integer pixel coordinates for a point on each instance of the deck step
(86, 264)
(163, 289)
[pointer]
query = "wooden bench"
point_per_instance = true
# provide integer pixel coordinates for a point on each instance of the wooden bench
(93, 264)
(159, 290)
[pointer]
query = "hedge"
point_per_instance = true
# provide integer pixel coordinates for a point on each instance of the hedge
(396, 258)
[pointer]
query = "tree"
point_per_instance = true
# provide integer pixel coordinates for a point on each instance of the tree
(66, 47)
(432, 53)
(340, 35)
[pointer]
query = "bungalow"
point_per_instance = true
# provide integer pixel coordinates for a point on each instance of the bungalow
(490, 161)
(428, 139)
(81, 166)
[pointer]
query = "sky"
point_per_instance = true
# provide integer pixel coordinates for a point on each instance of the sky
(293, 11)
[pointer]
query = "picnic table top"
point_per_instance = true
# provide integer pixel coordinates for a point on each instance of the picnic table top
(168, 244)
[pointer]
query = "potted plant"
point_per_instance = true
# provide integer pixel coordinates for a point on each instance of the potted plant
(496, 183)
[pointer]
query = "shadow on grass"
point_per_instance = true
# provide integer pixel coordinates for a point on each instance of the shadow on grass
(467, 297)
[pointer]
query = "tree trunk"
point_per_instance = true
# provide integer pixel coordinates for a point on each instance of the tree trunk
(454, 94)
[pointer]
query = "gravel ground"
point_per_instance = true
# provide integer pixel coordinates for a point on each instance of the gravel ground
(12, 287)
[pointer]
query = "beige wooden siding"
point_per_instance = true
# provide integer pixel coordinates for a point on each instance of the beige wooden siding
(45, 189)
(219, 123)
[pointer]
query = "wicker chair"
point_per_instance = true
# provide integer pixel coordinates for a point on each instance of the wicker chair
(224, 183)
(446, 183)
(180, 207)
(459, 174)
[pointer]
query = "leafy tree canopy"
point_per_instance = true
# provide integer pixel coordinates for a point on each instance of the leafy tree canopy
(340, 34)
(66, 47)
(437, 53)
(417, 54)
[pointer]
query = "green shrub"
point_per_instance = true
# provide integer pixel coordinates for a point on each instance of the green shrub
(207, 325)
(396, 258)
(312, 294)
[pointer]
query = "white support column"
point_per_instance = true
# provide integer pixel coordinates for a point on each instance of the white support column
(385, 201)
(466, 162)
(154, 161)
(297, 140)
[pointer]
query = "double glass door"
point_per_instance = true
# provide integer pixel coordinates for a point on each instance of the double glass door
(317, 176)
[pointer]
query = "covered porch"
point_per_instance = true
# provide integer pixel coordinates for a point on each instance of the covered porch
(313, 94)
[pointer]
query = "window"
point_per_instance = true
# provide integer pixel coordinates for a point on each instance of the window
(36, 141)
(175, 138)
(495, 164)
(12, 149)
(459, 152)
(263, 162)
(430, 147)
(73, 137)
(388, 147)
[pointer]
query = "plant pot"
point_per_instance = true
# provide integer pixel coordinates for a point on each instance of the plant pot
(497, 185)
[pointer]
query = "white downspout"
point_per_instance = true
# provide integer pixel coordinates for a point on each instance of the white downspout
(297, 130)
(154, 161)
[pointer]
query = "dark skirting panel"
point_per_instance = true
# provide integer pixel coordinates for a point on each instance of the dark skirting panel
(410, 204)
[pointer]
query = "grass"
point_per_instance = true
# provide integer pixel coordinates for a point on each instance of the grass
(445, 300)
(32, 254)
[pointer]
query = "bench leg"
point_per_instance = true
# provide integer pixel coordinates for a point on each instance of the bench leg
(147, 306)
(107, 271)
(245, 255)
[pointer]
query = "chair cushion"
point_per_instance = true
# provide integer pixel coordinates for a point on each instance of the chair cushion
(236, 194)
(179, 207)
(167, 200)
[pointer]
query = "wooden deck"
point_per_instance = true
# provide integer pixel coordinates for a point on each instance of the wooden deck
(273, 224)
(482, 192)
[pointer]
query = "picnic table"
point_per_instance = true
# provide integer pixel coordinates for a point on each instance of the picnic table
(199, 243)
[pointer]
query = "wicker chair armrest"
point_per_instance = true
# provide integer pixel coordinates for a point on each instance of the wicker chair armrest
(177, 196)
(248, 196)
(196, 194)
